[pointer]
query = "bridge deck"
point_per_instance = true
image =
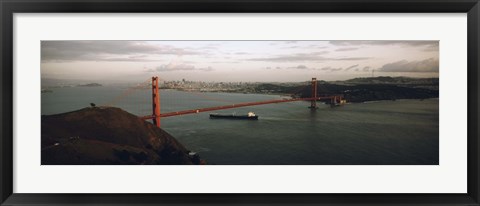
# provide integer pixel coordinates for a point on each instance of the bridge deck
(193, 111)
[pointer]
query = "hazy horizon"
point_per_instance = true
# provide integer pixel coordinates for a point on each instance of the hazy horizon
(236, 61)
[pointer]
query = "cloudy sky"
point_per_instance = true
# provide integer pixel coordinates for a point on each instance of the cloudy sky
(268, 61)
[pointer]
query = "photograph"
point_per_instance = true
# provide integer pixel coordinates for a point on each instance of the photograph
(201, 102)
(240, 102)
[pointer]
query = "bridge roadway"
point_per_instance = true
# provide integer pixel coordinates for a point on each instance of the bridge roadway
(193, 111)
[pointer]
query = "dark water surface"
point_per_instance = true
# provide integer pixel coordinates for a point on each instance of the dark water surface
(384, 132)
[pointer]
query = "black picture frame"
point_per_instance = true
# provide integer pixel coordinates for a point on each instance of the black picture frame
(10, 7)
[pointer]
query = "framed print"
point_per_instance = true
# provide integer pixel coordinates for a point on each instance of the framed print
(265, 102)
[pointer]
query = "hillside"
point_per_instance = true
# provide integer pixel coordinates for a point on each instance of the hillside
(358, 89)
(107, 135)
(363, 89)
(372, 92)
(392, 80)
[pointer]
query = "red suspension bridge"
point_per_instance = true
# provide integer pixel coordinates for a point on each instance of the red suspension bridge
(157, 115)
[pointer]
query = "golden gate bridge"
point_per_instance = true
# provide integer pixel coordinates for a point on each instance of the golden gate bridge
(156, 115)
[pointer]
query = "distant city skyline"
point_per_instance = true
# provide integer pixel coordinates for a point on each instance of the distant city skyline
(237, 61)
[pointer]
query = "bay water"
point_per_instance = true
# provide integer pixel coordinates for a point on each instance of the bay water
(401, 132)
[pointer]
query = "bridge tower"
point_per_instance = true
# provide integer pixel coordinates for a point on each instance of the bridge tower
(155, 102)
(313, 102)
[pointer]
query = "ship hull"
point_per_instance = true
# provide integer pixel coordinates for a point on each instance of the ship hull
(230, 116)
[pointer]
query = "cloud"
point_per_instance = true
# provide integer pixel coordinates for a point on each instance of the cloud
(288, 58)
(426, 46)
(137, 58)
(294, 67)
(174, 67)
(206, 69)
(178, 67)
(209, 47)
(241, 53)
(319, 52)
(384, 42)
(351, 67)
(302, 57)
(351, 58)
(366, 69)
(225, 62)
(314, 46)
(427, 65)
(290, 47)
(432, 48)
(299, 67)
(347, 49)
(331, 69)
(135, 51)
